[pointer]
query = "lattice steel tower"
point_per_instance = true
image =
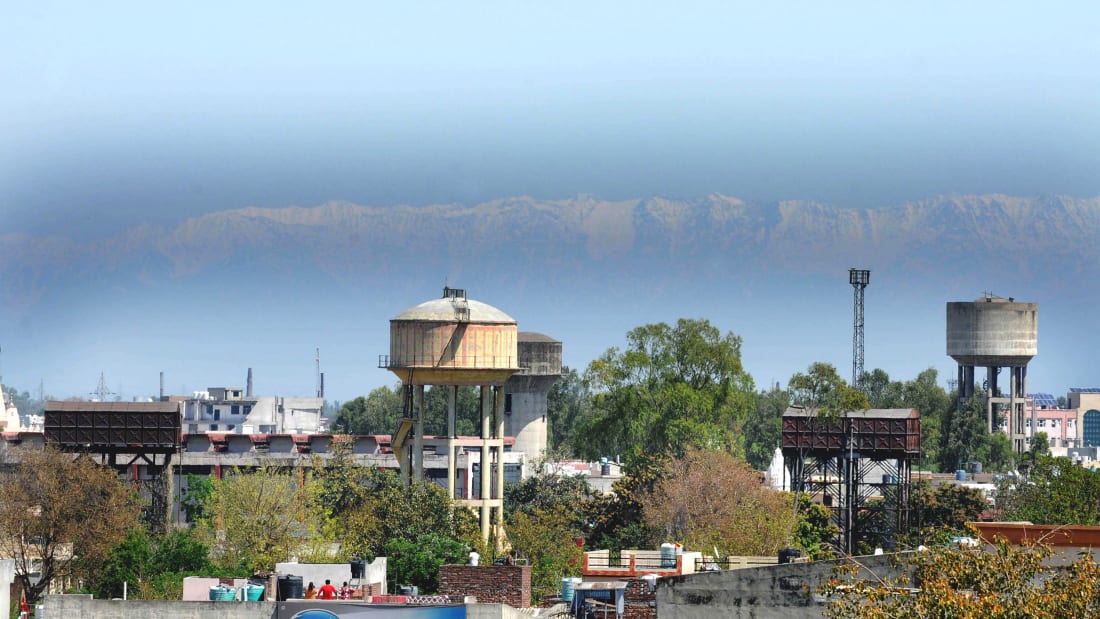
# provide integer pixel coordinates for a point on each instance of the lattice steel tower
(858, 278)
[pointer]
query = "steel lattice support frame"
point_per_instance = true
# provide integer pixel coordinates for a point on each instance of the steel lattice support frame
(868, 498)
(858, 278)
(858, 464)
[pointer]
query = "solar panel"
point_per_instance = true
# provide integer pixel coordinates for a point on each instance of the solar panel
(1084, 390)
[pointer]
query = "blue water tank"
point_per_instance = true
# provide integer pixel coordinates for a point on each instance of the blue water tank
(960, 475)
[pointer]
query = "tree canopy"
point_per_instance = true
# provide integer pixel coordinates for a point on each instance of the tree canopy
(61, 511)
(673, 387)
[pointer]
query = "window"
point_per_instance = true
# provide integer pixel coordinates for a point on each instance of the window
(213, 427)
(1091, 421)
(217, 414)
(236, 410)
(508, 403)
(1042, 423)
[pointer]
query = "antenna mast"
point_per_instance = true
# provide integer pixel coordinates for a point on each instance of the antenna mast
(317, 372)
(858, 278)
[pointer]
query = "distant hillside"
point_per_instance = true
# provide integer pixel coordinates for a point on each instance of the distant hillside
(564, 241)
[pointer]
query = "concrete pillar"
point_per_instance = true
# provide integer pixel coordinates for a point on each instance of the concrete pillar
(418, 440)
(7, 577)
(498, 418)
(452, 397)
(486, 460)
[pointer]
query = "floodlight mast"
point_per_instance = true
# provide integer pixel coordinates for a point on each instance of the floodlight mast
(858, 278)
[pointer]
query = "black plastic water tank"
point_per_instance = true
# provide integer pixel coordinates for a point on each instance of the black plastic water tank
(408, 590)
(289, 587)
(358, 568)
(787, 554)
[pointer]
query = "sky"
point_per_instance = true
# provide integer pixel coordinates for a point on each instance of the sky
(121, 113)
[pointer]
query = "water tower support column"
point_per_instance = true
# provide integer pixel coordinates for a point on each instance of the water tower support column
(486, 461)
(418, 440)
(452, 396)
(498, 494)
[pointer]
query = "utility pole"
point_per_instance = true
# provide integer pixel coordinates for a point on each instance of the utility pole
(858, 278)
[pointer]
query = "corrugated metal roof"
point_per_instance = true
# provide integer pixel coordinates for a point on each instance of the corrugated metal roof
(871, 413)
(111, 407)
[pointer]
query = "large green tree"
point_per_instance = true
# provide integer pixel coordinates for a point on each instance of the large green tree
(671, 388)
(378, 413)
(1057, 492)
(254, 519)
(922, 393)
(820, 388)
(764, 427)
(568, 407)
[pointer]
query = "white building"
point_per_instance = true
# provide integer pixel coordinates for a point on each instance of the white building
(231, 410)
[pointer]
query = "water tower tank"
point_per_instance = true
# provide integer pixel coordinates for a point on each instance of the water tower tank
(992, 332)
(453, 341)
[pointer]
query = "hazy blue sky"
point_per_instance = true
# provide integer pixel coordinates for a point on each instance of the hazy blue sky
(115, 113)
(122, 111)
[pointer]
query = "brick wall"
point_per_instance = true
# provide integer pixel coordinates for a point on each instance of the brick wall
(638, 601)
(490, 584)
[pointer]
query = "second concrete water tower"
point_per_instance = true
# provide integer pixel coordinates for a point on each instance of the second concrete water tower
(453, 341)
(995, 333)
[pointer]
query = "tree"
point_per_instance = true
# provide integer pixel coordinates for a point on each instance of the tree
(947, 507)
(153, 567)
(545, 538)
(253, 519)
(1038, 447)
(565, 494)
(467, 411)
(1004, 582)
(568, 407)
(196, 497)
(965, 435)
(764, 427)
(417, 562)
(822, 389)
(378, 413)
(1057, 492)
(617, 519)
(710, 499)
(673, 387)
(56, 509)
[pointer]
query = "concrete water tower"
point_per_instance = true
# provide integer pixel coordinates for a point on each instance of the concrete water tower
(454, 341)
(525, 395)
(996, 334)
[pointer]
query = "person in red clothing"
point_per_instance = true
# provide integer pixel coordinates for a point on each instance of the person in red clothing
(327, 591)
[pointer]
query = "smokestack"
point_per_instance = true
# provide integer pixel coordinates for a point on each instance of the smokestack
(248, 385)
(322, 394)
(162, 386)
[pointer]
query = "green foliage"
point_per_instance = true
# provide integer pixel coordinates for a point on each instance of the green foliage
(764, 427)
(467, 411)
(944, 507)
(253, 519)
(814, 532)
(417, 562)
(617, 519)
(671, 388)
(378, 413)
(199, 489)
(1057, 492)
(965, 435)
(565, 494)
(152, 567)
(822, 389)
(1000, 583)
(711, 499)
(1038, 447)
(568, 407)
(545, 538)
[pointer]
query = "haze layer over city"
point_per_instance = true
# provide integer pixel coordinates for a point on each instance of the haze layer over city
(204, 190)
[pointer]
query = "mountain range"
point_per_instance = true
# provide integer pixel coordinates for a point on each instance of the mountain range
(618, 257)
